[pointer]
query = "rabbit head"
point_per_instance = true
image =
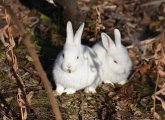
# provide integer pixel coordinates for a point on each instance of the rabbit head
(118, 57)
(72, 52)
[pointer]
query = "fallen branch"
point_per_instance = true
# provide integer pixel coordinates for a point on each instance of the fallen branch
(31, 49)
(151, 3)
(144, 42)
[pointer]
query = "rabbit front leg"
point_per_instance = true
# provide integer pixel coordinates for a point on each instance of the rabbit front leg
(92, 87)
(90, 90)
(122, 82)
(108, 82)
(69, 91)
(59, 89)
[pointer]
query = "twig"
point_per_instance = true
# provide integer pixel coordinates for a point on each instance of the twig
(31, 49)
(37, 64)
(144, 42)
(162, 101)
(159, 92)
(156, 87)
(159, 65)
(36, 77)
(157, 2)
(31, 88)
(98, 22)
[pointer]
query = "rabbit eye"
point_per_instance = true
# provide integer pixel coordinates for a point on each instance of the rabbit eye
(77, 57)
(63, 55)
(115, 61)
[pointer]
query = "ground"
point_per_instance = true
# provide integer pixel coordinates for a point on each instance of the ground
(142, 26)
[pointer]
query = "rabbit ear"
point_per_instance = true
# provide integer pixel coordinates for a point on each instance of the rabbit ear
(69, 29)
(107, 41)
(78, 34)
(117, 37)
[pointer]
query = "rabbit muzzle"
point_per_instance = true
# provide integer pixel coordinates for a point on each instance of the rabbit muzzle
(67, 67)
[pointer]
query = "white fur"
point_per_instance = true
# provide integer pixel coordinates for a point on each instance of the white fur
(83, 73)
(108, 52)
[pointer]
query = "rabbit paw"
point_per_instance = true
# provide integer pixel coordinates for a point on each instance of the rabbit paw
(109, 82)
(59, 90)
(69, 91)
(55, 93)
(90, 90)
(122, 82)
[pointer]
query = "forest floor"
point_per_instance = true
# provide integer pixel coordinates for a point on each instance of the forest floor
(142, 25)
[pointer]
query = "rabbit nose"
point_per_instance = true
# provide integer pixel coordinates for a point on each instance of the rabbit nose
(68, 66)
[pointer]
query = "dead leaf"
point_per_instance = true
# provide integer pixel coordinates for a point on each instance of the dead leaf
(162, 102)
(29, 97)
(145, 68)
(161, 73)
(158, 47)
(156, 115)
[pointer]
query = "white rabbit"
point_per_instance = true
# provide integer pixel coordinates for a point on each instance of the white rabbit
(77, 66)
(115, 61)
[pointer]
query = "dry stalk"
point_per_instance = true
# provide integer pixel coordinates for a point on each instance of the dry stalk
(11, 57)
(144, 42)
(22, 104)
(98, 23)
(38, 66)
(154, 107)
(160, 62)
